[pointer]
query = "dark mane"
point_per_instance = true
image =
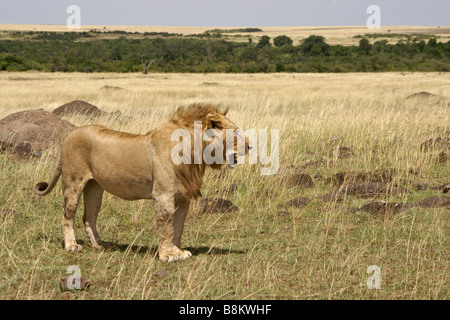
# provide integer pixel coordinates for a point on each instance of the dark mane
(190, 176)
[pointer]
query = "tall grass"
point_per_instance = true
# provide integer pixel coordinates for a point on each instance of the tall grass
(319, 251)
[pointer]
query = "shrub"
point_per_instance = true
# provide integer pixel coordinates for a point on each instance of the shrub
(282, 41)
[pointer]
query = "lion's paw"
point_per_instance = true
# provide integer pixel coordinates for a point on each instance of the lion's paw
(176, 255)
(74, 248)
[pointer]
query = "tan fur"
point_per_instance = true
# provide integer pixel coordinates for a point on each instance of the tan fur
(95, 159)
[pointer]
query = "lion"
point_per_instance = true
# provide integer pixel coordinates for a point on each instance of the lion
(95, 159)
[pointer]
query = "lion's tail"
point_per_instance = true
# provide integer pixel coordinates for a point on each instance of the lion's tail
(43, 188)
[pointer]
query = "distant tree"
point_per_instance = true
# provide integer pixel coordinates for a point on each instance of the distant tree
(282, 41)
(263, 42)
(364, 46)
(279, 67)
(432, 42)
(319, 44)
(144, 66)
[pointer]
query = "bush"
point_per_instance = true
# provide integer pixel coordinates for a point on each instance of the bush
(263, 42)
(316, 42)
(282, 41)
(364, 46)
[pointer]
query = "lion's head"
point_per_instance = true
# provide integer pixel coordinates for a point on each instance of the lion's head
(210, 139)
(221, 140)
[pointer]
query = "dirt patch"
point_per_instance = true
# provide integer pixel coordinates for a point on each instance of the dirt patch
(421, 186)
(434, 144)
(161, 274)
(341, 178)
(300, 167)
(265, 194)
(363, 190)
(111, 88)
(83, 284)
(370, 189)
(435, 202)
(8, 212)
(422, 94)
(29, 133)
(297, 180)
(78, 107)
(380, 207)
(340, 152)
(216, 205)
(445, 188)
(297, 202)
(442, 157)
(283, 214)
(331, 196)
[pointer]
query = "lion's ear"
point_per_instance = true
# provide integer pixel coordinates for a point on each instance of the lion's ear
(213, 121)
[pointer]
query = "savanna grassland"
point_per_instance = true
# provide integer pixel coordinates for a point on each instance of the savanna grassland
(319, 249)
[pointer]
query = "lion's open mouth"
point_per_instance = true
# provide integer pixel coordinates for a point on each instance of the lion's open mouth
(232, 160)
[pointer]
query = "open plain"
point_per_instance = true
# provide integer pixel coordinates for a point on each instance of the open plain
(360, 155)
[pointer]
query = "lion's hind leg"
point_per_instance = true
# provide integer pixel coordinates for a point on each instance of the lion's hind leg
(72, 194)
(92, 195)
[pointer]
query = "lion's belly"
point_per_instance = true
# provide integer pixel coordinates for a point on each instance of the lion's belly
(124, 172)
(129, 191)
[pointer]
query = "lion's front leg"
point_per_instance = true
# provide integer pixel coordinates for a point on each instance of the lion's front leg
(168, 231)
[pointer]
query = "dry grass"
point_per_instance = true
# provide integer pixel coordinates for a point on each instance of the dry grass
(320, 251)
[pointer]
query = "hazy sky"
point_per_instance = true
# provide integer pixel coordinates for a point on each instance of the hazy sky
(227, 12)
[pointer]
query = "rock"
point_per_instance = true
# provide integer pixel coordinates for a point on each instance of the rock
(341, 178)
(370, 189)
(78, 107)
(29, 133)
(23, 150)
(421, 94)
(298, 180)
(435, 202)
(382, 207)
(161, 274)
(216, 205)
(363, 190)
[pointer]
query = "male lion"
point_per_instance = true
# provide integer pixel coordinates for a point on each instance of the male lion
(94, 159)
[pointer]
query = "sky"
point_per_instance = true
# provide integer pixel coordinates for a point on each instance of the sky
(227, 13)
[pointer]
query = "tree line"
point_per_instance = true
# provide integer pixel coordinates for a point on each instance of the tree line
(72, 53)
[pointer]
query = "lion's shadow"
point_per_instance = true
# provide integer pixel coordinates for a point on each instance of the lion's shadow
(123, 247)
